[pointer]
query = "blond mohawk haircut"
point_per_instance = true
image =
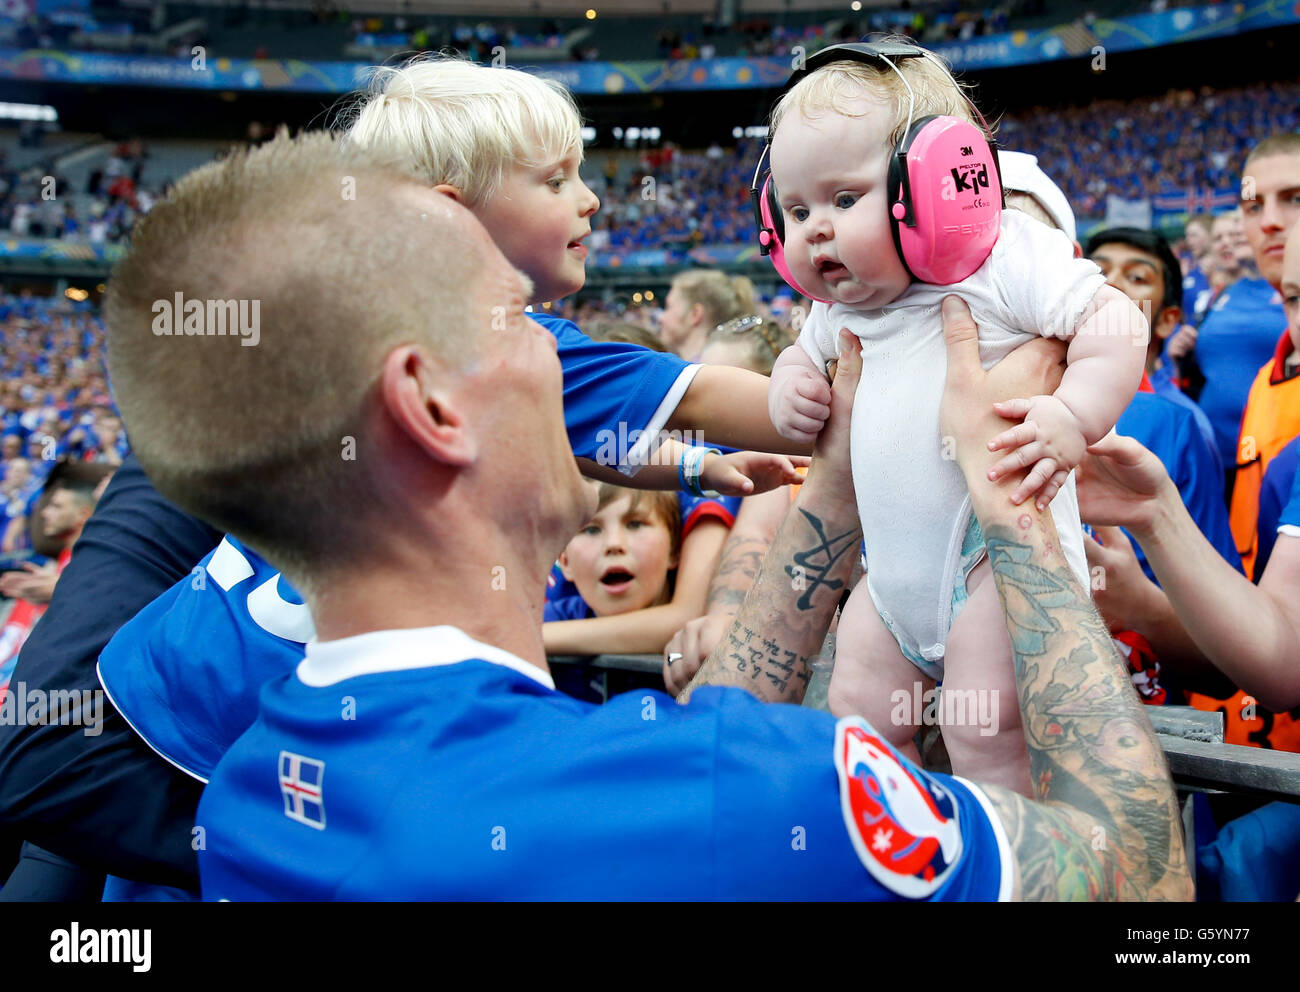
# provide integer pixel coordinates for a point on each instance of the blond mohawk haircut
(250, 438)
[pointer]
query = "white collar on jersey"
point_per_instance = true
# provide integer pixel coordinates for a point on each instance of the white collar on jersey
(328, 662)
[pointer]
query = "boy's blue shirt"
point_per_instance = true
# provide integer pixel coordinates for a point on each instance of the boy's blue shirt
(1163, 384)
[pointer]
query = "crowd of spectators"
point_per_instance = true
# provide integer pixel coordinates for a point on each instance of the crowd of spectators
(103, 212)
(757, 35)
(1133, 149)
(54, 402)
(1137, 148)
(674, 200)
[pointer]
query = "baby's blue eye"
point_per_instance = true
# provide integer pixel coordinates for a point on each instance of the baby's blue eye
(556, 183)
(845, 200)
(591, 530)
(799, 214)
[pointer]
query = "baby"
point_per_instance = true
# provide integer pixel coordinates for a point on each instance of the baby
(927, 610)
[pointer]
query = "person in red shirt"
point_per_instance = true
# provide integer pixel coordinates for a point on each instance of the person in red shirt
(69, 506)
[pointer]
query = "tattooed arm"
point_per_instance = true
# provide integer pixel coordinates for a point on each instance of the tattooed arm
(783, 620)
(756, 525)
(1106, 825)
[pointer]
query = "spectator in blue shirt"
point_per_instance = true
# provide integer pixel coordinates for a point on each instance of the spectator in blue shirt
(1238, 336)
(1140, 264)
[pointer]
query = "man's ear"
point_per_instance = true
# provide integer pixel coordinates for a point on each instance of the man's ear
(1167, 322)
(696, 312)
(447, 189)
(423, 411)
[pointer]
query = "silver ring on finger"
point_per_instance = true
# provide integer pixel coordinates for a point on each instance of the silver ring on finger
(673, 656)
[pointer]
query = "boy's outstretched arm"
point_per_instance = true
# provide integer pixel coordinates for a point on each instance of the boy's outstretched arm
(729, 407)
(739, 473)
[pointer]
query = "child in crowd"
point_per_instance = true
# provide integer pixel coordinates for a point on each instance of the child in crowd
(589, 617)
(622, 559)
(623, 591)
(927, 610)
(507, 144)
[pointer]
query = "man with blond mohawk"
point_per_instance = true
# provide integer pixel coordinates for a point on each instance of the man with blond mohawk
(441, 117)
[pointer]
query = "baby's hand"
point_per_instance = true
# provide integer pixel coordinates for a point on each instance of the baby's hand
(744, 473)
(798, 401)
(1051, 438)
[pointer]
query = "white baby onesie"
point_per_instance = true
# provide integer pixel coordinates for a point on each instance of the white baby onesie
(912, 498)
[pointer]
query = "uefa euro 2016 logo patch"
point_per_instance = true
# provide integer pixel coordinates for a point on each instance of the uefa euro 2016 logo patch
(904, 828)
(302, 783)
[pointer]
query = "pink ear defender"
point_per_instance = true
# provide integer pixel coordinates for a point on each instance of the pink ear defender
(944, 174)
(949, 212)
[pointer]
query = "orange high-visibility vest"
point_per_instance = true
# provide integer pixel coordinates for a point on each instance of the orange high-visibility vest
(1269, 422)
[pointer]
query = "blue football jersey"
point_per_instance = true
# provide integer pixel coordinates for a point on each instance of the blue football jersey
(1288, 521)
(421, 764)
(1238, 336)
(1277, 496)
(186, 670)
(1171, 432)
(617, 397)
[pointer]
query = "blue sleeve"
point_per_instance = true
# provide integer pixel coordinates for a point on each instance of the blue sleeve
(696, 508)
(1273, 494)
(106, 802)
(566, 608)
(168, 670)
(833, 812)
(617, 397)
(1291, 511)
(1279, 502)
(1200, 483)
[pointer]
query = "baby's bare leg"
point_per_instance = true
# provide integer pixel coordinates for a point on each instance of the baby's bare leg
(870, 672)
(980, 707)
